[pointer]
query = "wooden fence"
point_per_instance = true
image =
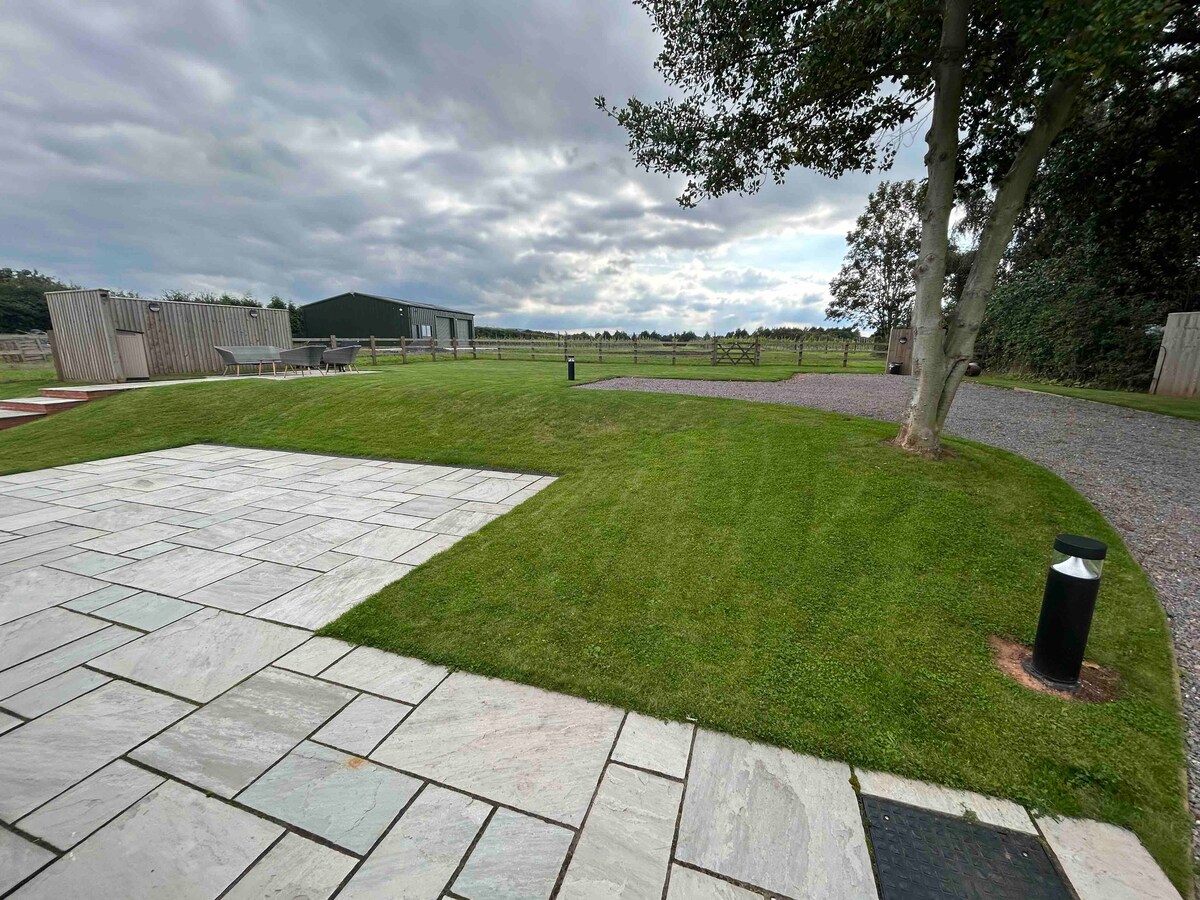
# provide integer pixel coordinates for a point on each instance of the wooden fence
(722, 351)
(23, 348)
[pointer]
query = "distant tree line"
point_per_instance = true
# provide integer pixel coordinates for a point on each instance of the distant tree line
(784, 333)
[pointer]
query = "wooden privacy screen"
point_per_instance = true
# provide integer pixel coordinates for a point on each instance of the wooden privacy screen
(1177, 373)
(179, 336)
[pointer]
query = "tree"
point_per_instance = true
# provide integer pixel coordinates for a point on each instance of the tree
(874, 288)
(23, 299)
(836, 87)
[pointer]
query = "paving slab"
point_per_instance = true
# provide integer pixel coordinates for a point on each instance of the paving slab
(202, 655)
(774, 819)
(1105, 862)
(38, 588)
(379, 672)
(315, 655)
(294, 549)
(94, 802)
(8, 723)
(360, 727)
(251, 587)
(460, 522)
(385, 542)
(429, 549)
(327, 596)
(119, 517)
(10, 551)
(101, 598)
(688, 884)
(989, 810)
(527, 748)
(624, 849)
(517, 858)
(225, 745)
(220, 534)
(54, 692)
(133, 538)
(653, 744)
(345, 799)
(490, 490)
(426, 507)
(88, 562)
(294, 869)
(174, 843)
(147, 611)
(150, 550)
(44, 757)
(178, 572)
(34, 634)
(419, 855)
(44, 667)
(19, 858)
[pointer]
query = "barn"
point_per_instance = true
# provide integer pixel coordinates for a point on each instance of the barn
(356, 315)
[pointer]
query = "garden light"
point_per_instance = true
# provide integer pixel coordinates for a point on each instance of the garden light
(570, 368)
(1067, 606)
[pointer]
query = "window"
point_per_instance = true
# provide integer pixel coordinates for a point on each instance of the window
(424, 331)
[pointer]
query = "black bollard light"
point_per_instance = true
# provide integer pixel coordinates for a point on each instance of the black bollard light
(1067, 606)
(570, 368)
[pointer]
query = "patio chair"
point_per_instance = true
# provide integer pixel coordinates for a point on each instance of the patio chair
(305, 358)
(236, 357)
(342, 358)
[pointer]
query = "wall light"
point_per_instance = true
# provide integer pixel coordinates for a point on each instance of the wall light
(254, 313)
(154, 307)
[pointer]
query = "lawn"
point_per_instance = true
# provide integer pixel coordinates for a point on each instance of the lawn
(1181, 407)
(24, 379)
(778, 573)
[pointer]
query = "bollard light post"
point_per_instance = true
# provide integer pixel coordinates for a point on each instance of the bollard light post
(570, 368)
(1072, 584)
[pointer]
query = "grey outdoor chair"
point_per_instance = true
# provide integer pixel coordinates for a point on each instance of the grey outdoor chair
(236, 357)
(342, 358)
(302, 357)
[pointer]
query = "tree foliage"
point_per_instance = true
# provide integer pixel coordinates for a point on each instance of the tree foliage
(23, 300)
(874, 288)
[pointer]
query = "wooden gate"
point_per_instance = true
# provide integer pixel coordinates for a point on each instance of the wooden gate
(734, 353)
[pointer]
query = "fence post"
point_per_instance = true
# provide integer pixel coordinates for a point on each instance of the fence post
(333, 342)
(532, 355)
(845, 354)
(635, 350)
(499, 349)
(454, 347)
(799, 353)
(714, 353)
(433, 348)
(403, 351)
(372, 349)
(600, 349)
(757, 352)
(673, 349)
(474, 349)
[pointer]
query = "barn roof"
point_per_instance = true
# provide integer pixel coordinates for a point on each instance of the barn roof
(396, 300)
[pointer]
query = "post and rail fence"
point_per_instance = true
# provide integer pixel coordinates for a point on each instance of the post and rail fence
(808, 353)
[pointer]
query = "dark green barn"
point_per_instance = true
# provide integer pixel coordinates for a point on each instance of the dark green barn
(355, 315)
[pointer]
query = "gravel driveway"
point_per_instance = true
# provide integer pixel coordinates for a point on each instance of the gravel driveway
(1141, 470)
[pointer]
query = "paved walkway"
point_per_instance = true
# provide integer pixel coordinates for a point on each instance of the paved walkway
(173, 729)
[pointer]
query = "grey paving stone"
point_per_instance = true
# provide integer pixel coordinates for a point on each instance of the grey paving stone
(11, 551)
(521, 746)
(74, 814)
(688, 884)
(345, 799)
(202, 655)
(312, 541)
(222, 533)
(774, 819)
(1104, 862)
(314, 656)
(363, 724)
(625, 846)
(490, 490)
(385, 543)
(653, 744)
(460, 522)
(19, 859)
(35, 634)
(178, 572)
(7, 722)
(327, 596)
(398, 520)
(245, 545)
(147, 611)
(327, 561)
(518, 858)
(436, 488)
(38, 559)
(379, 672)
(423, 849)
(44, 757)
(252, 587)
(54, 692)
(133, 538)
(225, 745)
(101, 598)
(39, 588)
(46, 666)
(294, 869)
(119, 517)
(88, 562)
(138, 855)
(429, 549)
(150, 550)
(989, 810)
(13, 506)
(427, 507)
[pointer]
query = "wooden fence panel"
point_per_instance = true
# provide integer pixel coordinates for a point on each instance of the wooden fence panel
(1177, 372)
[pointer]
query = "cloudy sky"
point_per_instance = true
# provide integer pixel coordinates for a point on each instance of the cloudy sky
(447, 151)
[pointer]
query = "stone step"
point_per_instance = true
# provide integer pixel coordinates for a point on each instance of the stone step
(40, 404)
(77, 393)
(12, 417)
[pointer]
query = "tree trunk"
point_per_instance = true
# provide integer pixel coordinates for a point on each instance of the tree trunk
(920, 432)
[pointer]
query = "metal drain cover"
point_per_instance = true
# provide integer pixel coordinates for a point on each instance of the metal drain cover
(928, 855)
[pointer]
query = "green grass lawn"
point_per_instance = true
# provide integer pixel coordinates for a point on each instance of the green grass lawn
(24, 379)
(778, 573)
(1181, 407)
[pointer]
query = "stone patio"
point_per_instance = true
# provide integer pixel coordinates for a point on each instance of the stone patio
(172, 728)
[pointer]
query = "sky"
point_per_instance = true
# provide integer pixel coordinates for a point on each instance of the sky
(444, 151)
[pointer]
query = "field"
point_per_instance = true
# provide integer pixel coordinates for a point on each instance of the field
(774, 572)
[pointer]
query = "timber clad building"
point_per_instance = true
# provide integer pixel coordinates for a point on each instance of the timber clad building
(356, 315)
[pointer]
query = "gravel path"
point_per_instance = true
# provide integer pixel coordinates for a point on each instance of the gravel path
(1141, 470)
